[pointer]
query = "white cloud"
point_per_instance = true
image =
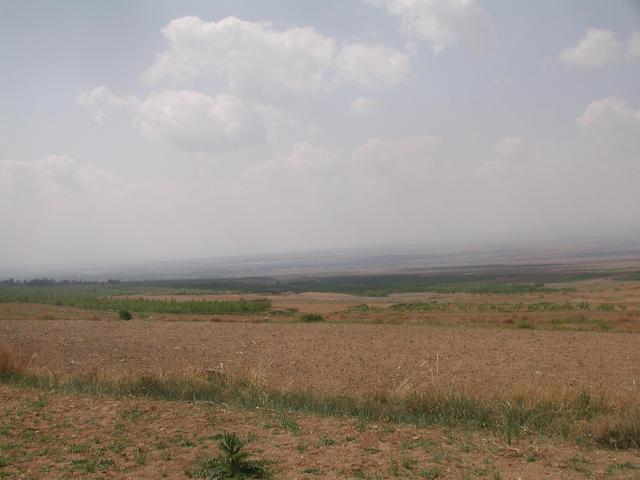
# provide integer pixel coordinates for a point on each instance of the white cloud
(511, 148)
(370, 65)
(615, 128)
(384, 157)
(596, 49)
(259, 68)
(364, 104)
(441, 23)
(262, 63)
(633, 46)
(608, 113)
(599, 48)
(256, 59)
(53, 178)
(303, 160)
(378, 154)
(193, 121)
(100, 101)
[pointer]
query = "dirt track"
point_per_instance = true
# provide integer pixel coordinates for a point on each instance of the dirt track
(335, 358)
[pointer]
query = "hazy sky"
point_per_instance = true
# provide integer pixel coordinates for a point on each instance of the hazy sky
(138, 130)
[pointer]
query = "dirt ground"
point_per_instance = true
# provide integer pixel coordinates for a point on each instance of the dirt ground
(355, 351)
(61, 436)
(335, 358)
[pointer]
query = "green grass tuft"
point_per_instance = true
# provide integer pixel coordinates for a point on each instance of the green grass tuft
(311, 317)
(232, 463)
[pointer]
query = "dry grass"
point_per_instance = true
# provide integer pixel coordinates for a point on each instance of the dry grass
(572, 414)
(9, 360)
(613, 431)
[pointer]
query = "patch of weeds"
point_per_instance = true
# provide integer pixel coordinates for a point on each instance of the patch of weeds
(616, 432)
(118, 446)
(579, 318)
(232, 463)
(408, 462)
(311, 317)
(386, 428)
(287, 312)
(290, 425)
(394, 468)
(92, 465)
(132, 414)
(125, 315)
(162, 444)
(616, 468)
(603, 325)
(312, 471)
(302, 447)
(371, 450)
(431, 473)
(140, 456)
(183, 441)
(425, 444)
(38, 404)
(120, 428)
(4, 462)
(606, 307)
(360, 474)
(523, 322)
(80, 448)
(580, 465)
(327, 442)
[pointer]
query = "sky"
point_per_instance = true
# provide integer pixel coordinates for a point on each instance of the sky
(160, 130)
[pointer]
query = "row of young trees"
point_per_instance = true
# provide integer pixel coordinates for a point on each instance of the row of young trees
(50, 282)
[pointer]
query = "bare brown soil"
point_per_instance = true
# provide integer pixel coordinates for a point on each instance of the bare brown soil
(355, 351)
(336, 358)
(69, 436)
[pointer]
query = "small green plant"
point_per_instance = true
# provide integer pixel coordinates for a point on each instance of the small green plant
(431, 473)
(140, 455)
(523, 322)
(327, 442)
(311, 317)
(617, 468)
(125, 315)
(290, 424)
(232, 463)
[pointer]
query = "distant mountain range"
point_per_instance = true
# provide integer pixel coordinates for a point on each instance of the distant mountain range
(593, 244)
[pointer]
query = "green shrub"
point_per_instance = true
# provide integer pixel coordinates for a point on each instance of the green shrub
(125, 315)
(523, 322)
(232, 463)
(311, 317)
